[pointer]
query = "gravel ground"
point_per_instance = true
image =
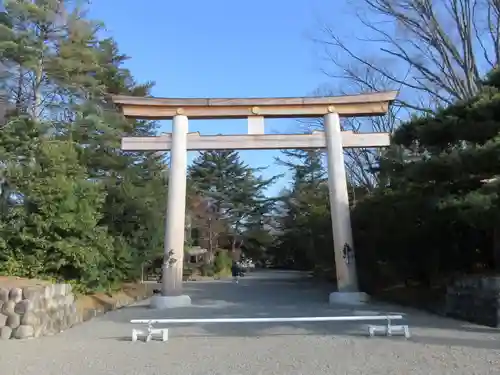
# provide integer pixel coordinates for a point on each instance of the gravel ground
(102, 346)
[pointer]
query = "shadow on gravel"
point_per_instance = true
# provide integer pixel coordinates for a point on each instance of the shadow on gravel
(297, 297)
(493, 344)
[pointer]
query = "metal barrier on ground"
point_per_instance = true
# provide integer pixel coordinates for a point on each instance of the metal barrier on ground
(162, 333)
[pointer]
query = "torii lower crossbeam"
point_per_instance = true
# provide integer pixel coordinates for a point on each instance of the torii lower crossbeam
(197, 142)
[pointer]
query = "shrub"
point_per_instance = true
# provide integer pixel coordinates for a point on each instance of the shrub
(207, 270)
(223, 262)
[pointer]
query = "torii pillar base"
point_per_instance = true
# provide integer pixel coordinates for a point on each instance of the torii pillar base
(170, 302)
(348, 298)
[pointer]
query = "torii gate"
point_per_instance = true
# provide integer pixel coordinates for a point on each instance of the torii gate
(256, 110)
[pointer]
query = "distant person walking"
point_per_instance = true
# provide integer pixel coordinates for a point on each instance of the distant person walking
(236, 272)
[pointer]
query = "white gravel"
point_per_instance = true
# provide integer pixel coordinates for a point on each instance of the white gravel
(103, 347)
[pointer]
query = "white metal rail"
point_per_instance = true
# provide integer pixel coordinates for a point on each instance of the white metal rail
(162, 333)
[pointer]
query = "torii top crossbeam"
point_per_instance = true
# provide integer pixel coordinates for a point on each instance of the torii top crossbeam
(372, 104)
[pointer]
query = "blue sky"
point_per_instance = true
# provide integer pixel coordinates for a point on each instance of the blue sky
(222, 48)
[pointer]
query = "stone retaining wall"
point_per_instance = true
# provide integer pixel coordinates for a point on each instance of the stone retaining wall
(35, 311)
(475, 299)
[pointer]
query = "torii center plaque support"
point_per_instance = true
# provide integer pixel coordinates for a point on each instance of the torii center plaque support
(256, 110)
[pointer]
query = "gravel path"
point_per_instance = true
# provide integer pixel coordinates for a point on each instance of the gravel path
(103, 347)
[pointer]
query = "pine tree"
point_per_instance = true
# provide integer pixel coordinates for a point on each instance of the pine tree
(49, 57)
(437, 216)
(305, 239)
(52, 230)
(135, 182)
(233, 189)
(60, 75)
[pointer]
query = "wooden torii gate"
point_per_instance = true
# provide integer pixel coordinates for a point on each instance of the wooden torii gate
(256, 110)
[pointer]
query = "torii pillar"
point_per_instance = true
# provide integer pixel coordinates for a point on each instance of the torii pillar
(345, 263)
(175, 220)
(256, 109)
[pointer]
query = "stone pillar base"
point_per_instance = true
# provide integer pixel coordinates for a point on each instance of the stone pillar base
(169, 302)
(348, 298)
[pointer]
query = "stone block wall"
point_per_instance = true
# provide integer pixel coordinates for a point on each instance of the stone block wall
(34, 311)
(475, 299)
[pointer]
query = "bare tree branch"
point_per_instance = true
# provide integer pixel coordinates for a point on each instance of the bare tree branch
(436, 51)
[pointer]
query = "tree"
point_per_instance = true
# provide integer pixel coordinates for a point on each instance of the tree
(42, 237)
(438, 207)
(305, 233)
(437, 52)
(49, 56)
(436, 215)
(59, 75)
(206, 223)
(362, 164)
(231, 190)
(432, 52)
(135, 183)
(259, 240)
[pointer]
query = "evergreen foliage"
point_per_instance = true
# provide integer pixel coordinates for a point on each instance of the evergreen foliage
(436, 216)
(235, 196)
(73, 205)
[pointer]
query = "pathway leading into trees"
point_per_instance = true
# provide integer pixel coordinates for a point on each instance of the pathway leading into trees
(103, 347)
